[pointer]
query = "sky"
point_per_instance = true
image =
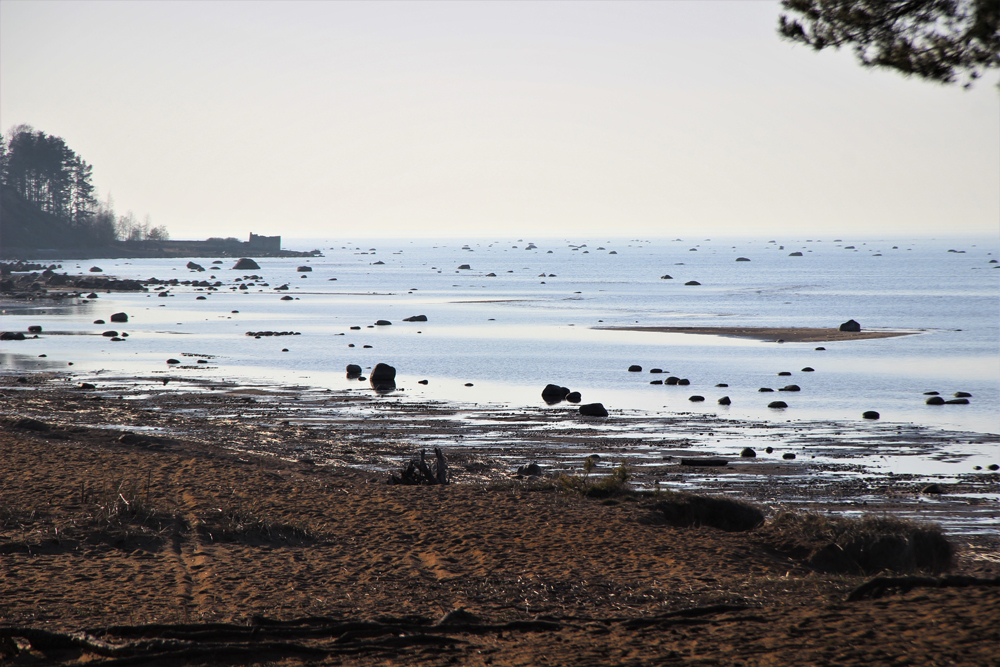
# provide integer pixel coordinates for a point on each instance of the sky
(480, 119)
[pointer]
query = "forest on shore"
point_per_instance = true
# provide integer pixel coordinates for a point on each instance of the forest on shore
(48, 199)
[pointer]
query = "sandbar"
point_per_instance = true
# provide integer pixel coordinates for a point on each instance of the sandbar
(786, 334)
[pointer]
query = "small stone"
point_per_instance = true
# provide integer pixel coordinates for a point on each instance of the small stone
(748, 453)
(724, 401)
(788, 457)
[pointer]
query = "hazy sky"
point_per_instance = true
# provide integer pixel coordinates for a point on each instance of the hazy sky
(492, 119)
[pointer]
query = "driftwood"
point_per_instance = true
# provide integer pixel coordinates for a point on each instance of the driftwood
(417, 472)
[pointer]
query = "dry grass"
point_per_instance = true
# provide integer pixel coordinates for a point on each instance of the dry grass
(684, 509)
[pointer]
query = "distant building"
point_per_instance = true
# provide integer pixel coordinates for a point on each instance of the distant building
(258, 242)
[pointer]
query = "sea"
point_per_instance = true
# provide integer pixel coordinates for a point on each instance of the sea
(507, 316)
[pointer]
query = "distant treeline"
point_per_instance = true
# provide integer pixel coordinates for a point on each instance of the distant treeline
(49, 199)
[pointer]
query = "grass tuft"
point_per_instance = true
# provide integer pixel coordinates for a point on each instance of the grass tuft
(866, 545)
(685, 509)
(615, 484)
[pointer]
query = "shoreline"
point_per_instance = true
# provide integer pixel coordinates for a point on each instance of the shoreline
(775, 334)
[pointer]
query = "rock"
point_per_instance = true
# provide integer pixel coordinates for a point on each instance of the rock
(742, 259)
(110, 334)
(87, 385)
(993, 466)
(656, 382)
(92, 295)
(96, 269)
(795, 254)
(808, 369)
(593, 410)
(173, 361)
(163, 294)
(791, 387)
(784, 373)
(465, 267)
(246, 264)
(383, 373)
(931, 393)
(870, 414)
(763, 390)
(415, 318)
(769, 450)
(696, 399)
(422, 382)
(119, 317)
(957, 401)
(201, 298)
(666, 277)
(713, 462)
(634, 368)
(37, 329)
(284, 298)
(672, 380)
(304, 269)
(651, 370)
(12, 335)
(850, 325)
(353, 371)
(382, 323)
(722, 384)
(777, 404)
(195, 267)
(725, 401)
(683, 381)
(957, 394)
(574, 397)
(491, 275)
(934, 400)
(820, 349)
(469, 384)
(932, 490)
(553, 393)
(29, 424)
(355, 328)
(99, 322)
(530, 470)
(788, 457)
(748, 453)
(692, 282)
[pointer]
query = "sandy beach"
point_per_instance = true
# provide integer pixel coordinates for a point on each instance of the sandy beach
(196, 516)
(778, 334)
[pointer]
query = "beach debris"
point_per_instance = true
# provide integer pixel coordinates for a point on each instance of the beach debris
(934, 400)
(850, 325)
(870, 414)
(530, 470)
(777, 404)
(246, 264)
(635, 368)
(415, 318)
(725, 401)
(696, 399)
(748, 453)
(417, 472)
(119, 317)
(593, 410)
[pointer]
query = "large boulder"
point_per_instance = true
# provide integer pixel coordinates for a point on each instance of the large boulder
(593, 410)
(119, 317)
(383, 373)
(553, 393)
(850, 325)
(246, 264)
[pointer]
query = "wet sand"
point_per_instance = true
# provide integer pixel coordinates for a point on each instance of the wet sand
(257, 503)
(778, 334)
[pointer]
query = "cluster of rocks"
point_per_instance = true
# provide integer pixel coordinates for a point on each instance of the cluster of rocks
(35, 285)
(553, 394)
(960, 398)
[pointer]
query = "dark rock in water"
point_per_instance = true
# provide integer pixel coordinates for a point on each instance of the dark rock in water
(769, 450)
(656, 382)
(791, 387)
(366, 347)
(415, 318)
(92, 295)
(993, 466)
(201, 298)
(870, 414)
(932, 490)
(932, 393)
(246, 264)
(491, 275)
(382, 323)
(696, 399)
(788, 457)
(692, 282)
(748, 453)
(684, 381)
(383, 373)
(469, 384)
(957, 401)
(109, 334)
(195, 267)
(304, 269)
(820, 349)
(722, 384)
(795, 254)
(466, 267)
(764, 389)
(574, 397)
(173, 361)
(777, 404)
(784, 373)
(850, 325)
(651, 370)
(593, 410)
(37, 329)
(672, 380)
(99, 322)
(742, 259)
(934, 400)
(553, 393)
(119, 317)
(666, 277)
(284, 298)
(704, 462)
(530, 470)
(957, 394)
(353, 371)
(725, 401)
(87, 385)
(96, 269)
(29, 424)
(422, 382)
(355, 328)
(12, 335)
(634, 369)
(808, 369)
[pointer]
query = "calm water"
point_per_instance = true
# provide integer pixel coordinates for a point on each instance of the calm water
(512, 333)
